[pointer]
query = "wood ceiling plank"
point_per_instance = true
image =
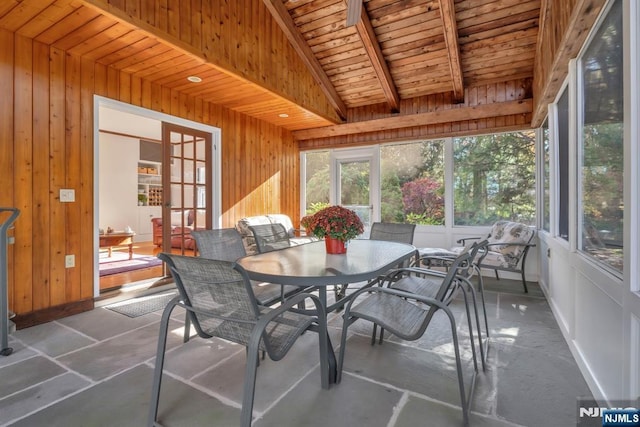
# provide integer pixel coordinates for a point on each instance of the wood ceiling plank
(314, 10)
(497, 10)
(22, 13)
(128, 50)
(7, 6)
(527, 26)
(103, 43)
(332, 64)
(356, 47)
(145, 49)
(45, 19)
(160, 69)
(284, 20)
(470, 64)
(521, 36)
(144, 65)
(101, 54)
(397, 122)
(66, 25)
(84, 32)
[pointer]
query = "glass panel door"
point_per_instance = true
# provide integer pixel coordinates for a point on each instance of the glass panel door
(357, 183)
(188, 177)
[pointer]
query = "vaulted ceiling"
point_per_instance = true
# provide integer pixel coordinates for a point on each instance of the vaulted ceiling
(402, 49)
(390, 52)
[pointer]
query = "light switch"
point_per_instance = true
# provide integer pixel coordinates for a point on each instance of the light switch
(67, 195)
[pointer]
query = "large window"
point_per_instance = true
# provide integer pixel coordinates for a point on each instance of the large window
(317, 181)
(562, 124)
(412, 181)
(601, 152)
(546, 195)
(494, 178)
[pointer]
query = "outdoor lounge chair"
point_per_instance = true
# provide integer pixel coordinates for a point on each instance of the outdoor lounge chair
(407, 315)
(219, 299)
(507, 248)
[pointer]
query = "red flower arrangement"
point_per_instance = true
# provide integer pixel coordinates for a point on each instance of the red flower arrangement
(335, 222)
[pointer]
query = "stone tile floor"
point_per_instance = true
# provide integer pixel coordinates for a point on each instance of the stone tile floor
(95, 368)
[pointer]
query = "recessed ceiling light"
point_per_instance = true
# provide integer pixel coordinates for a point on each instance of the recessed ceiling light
(283, 115)
(194, 79)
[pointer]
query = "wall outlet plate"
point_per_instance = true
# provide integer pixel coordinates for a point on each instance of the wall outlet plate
(67, 195)
(69, 261)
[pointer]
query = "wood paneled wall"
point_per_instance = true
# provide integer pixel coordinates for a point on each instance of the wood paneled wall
(238, 36)
(46, 143)
(474, 96)
(564, 27)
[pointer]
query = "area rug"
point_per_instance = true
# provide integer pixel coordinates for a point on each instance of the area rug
(119, 262)
(140, 306)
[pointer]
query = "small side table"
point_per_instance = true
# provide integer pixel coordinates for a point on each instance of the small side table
(109, 240)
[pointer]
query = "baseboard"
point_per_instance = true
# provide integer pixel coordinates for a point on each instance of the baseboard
(52, 313)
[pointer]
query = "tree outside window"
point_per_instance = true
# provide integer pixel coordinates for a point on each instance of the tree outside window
(602, 162)
(494, 178)
(412, 184)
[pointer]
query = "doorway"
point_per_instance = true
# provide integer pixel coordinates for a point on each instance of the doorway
(356, 183)
(134, 184)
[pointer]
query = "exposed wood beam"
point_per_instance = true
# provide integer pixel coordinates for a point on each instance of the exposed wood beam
(371, 46)
(550, 80)
(483, 111)
(281, 15)
(448, 17)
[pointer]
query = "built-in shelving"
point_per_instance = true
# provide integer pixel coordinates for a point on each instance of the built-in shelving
(149, 184)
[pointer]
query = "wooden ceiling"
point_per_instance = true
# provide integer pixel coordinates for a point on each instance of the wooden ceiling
(396, 50)
(402, 49)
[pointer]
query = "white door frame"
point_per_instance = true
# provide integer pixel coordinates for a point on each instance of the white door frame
(370, 154)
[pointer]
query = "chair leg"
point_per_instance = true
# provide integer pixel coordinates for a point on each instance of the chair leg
(470, 326)
(497, 277)
(524, 283)
(343, 345)
(187, 328)
(484, 307)
(246, 415)
(463, 399)
(159, 363)
(475, 309)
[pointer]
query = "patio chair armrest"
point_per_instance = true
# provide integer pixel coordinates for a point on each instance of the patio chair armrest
(447, 259)
(290, 303)
(396, 292)
(525, 245)
(463, 241)
(395, 274)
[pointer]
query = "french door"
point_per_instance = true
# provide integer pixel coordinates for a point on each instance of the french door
(188, 186)
(356, 182)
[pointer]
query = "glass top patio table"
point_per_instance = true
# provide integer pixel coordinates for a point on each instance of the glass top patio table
(309, 265)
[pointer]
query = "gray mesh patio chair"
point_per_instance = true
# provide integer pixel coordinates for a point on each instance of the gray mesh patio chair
(225, 244)
(392, 232)
(270, 237)
(477, 252)
(219, 299)
(388, 232)
(407, 315)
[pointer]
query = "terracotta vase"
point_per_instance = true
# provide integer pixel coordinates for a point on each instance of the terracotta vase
(335, 246)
